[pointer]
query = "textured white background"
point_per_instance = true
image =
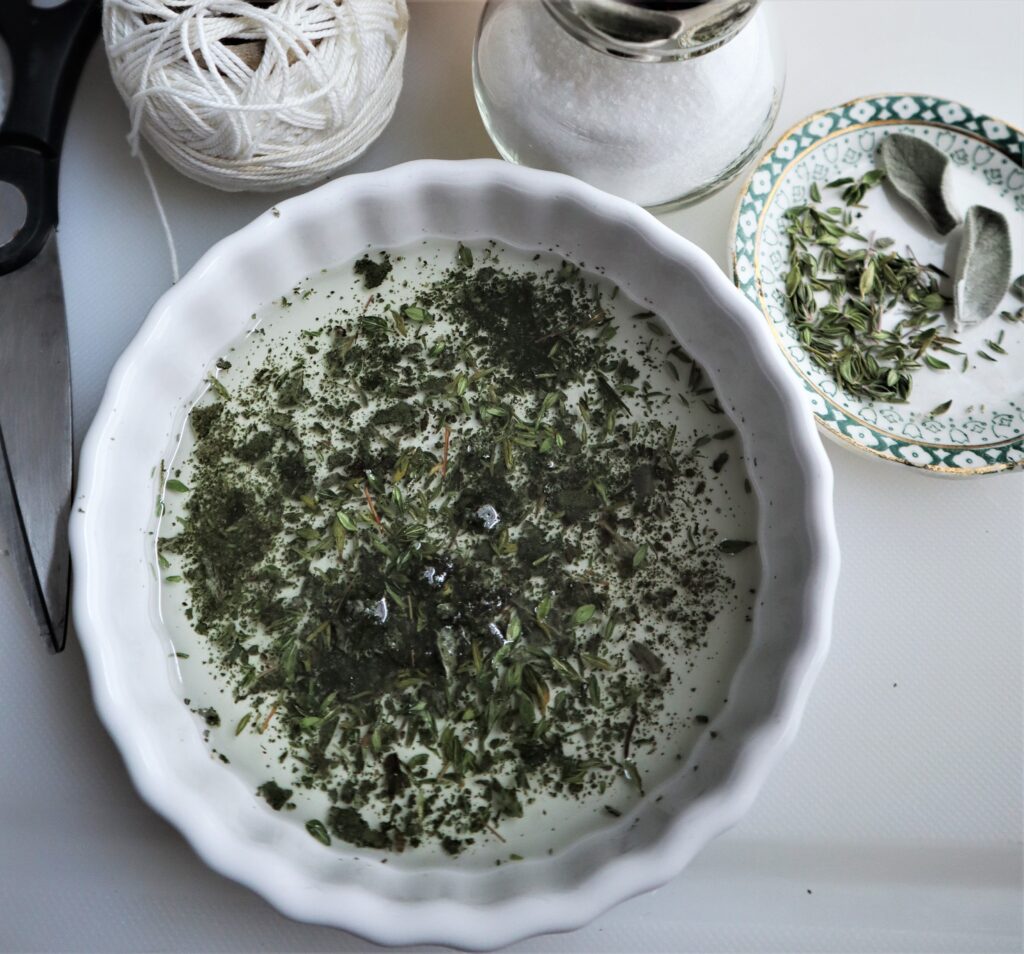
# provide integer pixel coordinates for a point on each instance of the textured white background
(893, 824)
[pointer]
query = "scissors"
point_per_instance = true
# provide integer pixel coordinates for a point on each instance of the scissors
(47, 45)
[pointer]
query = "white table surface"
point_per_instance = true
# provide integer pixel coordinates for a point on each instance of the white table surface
(893, 824)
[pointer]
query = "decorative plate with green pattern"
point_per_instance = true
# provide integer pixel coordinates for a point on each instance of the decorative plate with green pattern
(983, 429)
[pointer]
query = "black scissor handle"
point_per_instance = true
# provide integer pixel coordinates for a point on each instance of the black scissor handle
(48, 47)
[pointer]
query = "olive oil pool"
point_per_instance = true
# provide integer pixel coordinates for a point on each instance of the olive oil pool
(457, 554)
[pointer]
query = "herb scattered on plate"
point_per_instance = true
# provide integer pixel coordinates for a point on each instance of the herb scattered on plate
(872, 316)
(841, 285)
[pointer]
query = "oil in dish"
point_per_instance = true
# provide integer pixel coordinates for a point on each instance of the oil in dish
(451, 535)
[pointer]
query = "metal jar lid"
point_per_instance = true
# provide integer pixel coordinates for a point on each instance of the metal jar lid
(653, 30)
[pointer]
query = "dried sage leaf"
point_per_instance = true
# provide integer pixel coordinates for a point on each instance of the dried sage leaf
(921, 174)
(983, 266)
(1017, 287)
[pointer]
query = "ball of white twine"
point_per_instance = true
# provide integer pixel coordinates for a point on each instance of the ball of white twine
(257, 94)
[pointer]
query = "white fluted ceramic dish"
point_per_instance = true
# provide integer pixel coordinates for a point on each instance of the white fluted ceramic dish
(127, 654)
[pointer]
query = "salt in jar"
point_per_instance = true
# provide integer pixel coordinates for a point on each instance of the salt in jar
(661, 103)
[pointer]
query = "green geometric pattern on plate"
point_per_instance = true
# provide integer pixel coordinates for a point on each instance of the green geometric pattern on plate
(984, 437)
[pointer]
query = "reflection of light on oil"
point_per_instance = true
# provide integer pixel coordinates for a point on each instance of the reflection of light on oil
(435, 577)
(489, 517)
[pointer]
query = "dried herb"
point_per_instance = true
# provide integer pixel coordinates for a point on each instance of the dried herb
(921, 174)
(447, 583)
(983, 266)
(316, 828)
(275, 796)
(210, 716)
(841, 285)
(854, 190)
(373, 273)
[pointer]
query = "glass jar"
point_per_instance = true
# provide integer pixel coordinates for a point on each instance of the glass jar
(661, 103)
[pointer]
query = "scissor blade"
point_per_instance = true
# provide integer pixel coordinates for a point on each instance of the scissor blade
(14, 544)
(35, 420)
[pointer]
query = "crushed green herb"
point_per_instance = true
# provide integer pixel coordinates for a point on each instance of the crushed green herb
(275, 796)
(451, 540)
(209, 715)
(373, 273)
(841, 285)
